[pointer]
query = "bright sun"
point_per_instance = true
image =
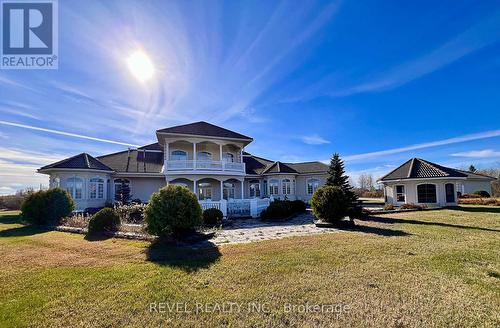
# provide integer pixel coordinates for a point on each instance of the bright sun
(140, 66)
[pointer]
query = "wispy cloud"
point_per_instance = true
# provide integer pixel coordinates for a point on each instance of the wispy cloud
(68, 134)
(314, 140)
(464, 138)
(486, 153)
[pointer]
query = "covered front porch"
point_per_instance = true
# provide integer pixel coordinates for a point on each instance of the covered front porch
(226, 193)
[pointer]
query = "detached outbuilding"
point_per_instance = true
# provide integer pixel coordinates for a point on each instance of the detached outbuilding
(418, 181)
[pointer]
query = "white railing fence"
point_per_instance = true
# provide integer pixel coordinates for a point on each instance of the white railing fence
(180, 165)
(237, 207)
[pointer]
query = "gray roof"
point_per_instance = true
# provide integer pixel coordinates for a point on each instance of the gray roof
(81, 161)
(417, 168)
(134, 161)
(258, 165)
(204, 129)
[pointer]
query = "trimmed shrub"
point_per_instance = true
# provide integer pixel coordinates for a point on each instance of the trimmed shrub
(278, 209)
(47, 207)
(355, 212)
(330, 203)
(298, 206)
(482, 193)
(412, 207)
(131, 213)
(106, 220)
(389, 207)
(173, 209)
(469, 196)
(480, 201)
(212, 217)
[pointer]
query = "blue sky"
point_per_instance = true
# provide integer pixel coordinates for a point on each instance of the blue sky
(378, 82)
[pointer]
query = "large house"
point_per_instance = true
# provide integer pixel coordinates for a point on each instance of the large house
(209, 160)
(418, 181)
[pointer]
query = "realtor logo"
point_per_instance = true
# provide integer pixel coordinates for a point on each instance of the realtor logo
(29, 34)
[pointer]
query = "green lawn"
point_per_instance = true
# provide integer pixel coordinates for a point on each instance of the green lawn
(419, 269)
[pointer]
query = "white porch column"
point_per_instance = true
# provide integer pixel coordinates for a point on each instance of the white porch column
(222, 163)
(242, 191)
(221, 190)
(194, 155)
(195, 188)
(167, 152)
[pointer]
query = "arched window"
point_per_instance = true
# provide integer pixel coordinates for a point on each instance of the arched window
(204, 156)
(273, 187)
(312, 185)
(426, 193)
(228, 190)
(228, 158)
(204, 190)
(178, 155)
(74, 186)
(254, 188)
(96, 188)
(286, 185)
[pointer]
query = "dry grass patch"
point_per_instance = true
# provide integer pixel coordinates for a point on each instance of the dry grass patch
(435, 268)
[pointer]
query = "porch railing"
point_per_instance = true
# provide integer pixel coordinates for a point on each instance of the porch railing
(182, 165)
(237, 207)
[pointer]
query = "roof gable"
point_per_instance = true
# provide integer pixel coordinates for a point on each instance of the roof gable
(204, 129)
(81, 161)
(417, 168)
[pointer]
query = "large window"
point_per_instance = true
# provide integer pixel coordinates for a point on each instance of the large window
(426, 193)
(286, 184)
(400, 194)
(204, 191)
(228, 190)
(450, 192)
(228, 158)
(96, 188)
(254, 188)
(178, 155)
(74, 186)
(203, 156)
(273, 187)
(122, 188)
(312, 185)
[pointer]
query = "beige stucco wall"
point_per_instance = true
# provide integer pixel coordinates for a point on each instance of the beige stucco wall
(464, 186)
(143, 188)
(301, 185)
(476, 185)
(85, 201)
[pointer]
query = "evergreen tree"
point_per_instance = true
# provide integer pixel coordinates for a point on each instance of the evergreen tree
(338, 178)
(122, 193)
(472, 168)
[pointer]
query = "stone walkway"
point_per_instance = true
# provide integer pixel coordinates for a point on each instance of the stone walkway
(250, 230)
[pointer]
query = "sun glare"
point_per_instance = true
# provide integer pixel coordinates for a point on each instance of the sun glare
(140, 66)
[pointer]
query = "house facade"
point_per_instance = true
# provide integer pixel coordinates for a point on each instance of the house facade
(418, 181)
(207, 159)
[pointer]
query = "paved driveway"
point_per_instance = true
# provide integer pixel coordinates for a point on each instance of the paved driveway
(250, 230)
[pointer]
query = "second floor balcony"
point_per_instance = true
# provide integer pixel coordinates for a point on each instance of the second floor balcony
(216, 156)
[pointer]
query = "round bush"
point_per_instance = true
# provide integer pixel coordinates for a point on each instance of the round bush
(212, 216)
(47, 207)
(329, 203)
(173, 209)
(482, 193)
(104, 220)
(298, 206)
(277, 210)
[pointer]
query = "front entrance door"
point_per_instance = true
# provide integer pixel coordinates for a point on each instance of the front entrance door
(450, 192)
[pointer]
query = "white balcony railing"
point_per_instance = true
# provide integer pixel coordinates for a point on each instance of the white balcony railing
(185, 165)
